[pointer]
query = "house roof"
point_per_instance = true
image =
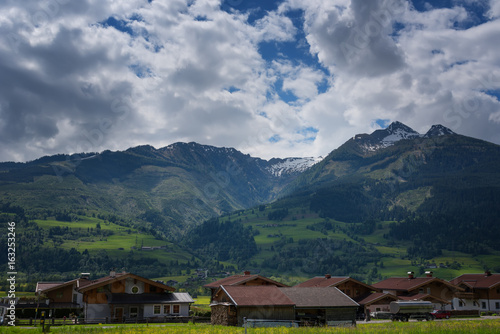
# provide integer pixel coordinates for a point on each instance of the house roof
(150, 298)
(270, 295)
(46, 286)
(309, 297)
(240, 280)
(409, 284)
(478, 281)
(328, 281)
(424, 296)
(259, 295)
(374, 297)
(119, 277)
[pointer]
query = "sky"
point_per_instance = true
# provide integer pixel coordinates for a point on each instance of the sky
(286, 78)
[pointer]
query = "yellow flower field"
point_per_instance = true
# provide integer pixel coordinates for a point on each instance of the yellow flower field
(440, 327)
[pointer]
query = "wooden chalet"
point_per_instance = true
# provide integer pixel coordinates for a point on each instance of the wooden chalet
(233, 303)
(247, 279)
(429, 288)
(370, 299)
(348, 285)
(117, 298)
(480, 292)
(312, 306)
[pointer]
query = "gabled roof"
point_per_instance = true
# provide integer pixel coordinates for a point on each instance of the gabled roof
(424, 296)
(241, 280)
(259, 295)
(374, 297)
(328, 281)
(119, 277)
(314, 297)
(270, 295)
(47, 286)
(409, 284)
(478, 281)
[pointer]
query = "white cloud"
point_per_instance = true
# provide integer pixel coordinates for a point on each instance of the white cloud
(179, 70)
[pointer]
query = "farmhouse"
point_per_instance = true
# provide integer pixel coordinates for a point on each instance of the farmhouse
(117, 298)
(480, 292)
(247, 279)
(312, 305)
(429, 288)
(369, 298)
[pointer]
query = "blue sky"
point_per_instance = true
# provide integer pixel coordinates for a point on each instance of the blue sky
(270, 78)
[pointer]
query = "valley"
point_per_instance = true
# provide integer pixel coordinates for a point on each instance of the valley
(378, 206)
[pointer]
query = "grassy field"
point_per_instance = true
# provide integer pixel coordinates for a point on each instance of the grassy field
(394, 261)
(120, 242)
(438, 327)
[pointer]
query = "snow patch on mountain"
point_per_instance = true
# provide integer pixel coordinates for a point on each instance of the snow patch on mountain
(291, 165)
(395, 132)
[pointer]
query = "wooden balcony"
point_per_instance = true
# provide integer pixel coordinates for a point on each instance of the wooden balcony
(467, 295)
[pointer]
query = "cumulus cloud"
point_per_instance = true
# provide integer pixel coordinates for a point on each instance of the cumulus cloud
(94, 75)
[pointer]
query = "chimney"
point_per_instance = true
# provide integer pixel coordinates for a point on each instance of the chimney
(487, 273)
(246, 273)
(411, 275)
(327, 276)
(84, 275)
(428, 273)
(112, 273)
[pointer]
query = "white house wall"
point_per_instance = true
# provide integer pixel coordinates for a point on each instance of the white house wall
(482, 305)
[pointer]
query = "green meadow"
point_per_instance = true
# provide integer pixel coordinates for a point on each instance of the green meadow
(438, 327)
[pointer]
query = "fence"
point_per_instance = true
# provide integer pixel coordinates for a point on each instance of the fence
(70, 322)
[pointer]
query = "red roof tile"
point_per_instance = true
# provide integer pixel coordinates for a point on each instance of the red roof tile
(374, 297)
(478, 281)
(239, 280)
(318, 297)
(403, 283)
(322, 282)
(260, 295)
(325, 282)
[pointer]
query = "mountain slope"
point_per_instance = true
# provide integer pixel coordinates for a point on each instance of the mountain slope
(167, 188)
(442, 188)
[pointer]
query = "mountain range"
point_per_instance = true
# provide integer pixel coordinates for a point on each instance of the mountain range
(423, 193)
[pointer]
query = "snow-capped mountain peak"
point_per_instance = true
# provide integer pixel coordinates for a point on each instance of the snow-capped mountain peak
(437, 131)
(397, 131)
(280, 167)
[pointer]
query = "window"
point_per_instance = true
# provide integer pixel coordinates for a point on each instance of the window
(176, 309)
(497, 305)
(421, 290)
(475, 303)
(166, 309)
(133, 311)
(156, 309)
(461, 303)
(483, 305)
(135, 289)
(75, 298)
(428, 291)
